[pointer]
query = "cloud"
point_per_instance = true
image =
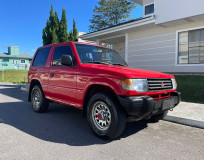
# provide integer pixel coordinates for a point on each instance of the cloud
(33, 50)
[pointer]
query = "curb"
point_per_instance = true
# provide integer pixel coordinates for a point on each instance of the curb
(184, 121)
(23, 89)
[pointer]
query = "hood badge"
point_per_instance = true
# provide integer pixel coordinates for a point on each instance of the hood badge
(162, 85)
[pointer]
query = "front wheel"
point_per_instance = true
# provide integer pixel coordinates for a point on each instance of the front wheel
(106, 119)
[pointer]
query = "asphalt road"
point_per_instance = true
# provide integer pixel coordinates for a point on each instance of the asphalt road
(62, 133)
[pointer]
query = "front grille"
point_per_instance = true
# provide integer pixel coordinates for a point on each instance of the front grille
(159, 84)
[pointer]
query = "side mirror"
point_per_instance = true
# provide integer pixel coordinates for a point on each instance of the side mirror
(66, 60)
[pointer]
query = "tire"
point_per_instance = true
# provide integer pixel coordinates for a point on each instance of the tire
(105, 117)
(39, 103)
(158, 117)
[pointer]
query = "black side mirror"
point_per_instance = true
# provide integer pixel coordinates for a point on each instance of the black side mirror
(66, 60)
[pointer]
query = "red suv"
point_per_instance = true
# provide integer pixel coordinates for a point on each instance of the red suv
(97, 80)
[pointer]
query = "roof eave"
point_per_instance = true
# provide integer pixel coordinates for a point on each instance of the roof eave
(119, 28)
(141, 2)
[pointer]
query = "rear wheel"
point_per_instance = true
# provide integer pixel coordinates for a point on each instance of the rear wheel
(39, 103)
(158, 117)
(106, 119)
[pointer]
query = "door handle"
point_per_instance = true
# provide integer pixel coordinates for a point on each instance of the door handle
(52, 74)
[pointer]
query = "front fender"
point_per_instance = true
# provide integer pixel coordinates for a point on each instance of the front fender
(114, 84)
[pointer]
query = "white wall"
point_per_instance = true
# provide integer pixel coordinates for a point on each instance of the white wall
(81, 40)
(169, 10)
(145, 2)
(120, 48)
(156, 49)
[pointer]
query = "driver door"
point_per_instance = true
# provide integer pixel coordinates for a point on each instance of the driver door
(62, 79)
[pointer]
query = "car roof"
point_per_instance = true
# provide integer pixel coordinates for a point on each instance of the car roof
(51, 45)
(93, 44)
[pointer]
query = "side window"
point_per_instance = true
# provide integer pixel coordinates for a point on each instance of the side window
(41, 57)
(59, 51)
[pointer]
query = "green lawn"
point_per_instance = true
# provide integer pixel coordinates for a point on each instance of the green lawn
(14, 76)
(191, 88)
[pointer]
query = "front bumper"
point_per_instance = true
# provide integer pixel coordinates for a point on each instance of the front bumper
(144, 106)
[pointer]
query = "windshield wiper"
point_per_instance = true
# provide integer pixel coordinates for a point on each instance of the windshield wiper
(118, 64)
(98, 62)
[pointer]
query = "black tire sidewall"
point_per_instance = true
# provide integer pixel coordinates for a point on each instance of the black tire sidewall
(114, 115)
(37, 88)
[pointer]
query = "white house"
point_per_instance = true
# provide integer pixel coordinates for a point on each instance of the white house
(168, 38)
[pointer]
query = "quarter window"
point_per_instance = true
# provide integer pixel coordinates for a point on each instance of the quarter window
(191, 47)
(41, 57)
(59, 51)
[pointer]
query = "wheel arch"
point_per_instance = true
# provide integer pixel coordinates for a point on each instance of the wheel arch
(93, 89)
(33, 83)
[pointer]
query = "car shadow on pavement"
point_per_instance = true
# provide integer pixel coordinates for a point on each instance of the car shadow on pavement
(61, 124)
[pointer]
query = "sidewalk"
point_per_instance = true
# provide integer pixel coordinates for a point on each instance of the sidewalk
(190, 114)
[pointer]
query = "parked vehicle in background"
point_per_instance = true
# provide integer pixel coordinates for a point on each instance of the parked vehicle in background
(98, 81)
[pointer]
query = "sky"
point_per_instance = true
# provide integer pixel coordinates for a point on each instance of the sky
(22, 21)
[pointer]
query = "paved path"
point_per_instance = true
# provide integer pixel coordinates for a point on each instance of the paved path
(190, 114)
(191, 111)
(62, 133)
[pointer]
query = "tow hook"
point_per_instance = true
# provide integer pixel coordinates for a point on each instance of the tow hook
(171, 109)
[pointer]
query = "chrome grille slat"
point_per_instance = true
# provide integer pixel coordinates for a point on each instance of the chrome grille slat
(156, 84)
(166, 84)
(158, 81)
(159, 87)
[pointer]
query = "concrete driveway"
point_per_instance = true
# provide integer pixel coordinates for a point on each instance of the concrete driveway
(62, 133)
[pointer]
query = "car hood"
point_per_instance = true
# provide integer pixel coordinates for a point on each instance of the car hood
(128, 72)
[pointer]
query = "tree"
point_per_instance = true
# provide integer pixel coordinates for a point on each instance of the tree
(109, 13)
(74, 30)
(73, 33)
(71, 37)
(57, 23)
(55, 31)
(50, 35)
(63, 35)
(46, 34)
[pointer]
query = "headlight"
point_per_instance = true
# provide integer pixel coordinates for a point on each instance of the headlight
(138, 85)
(174, 83)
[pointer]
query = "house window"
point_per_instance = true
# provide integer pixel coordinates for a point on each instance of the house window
(191, 47)
(149, 9)
(22, 61)
(5, 60)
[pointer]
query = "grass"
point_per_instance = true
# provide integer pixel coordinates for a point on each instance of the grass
(14, 76)
(191, 88)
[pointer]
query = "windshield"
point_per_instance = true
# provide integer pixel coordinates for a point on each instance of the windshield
(99, 55)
